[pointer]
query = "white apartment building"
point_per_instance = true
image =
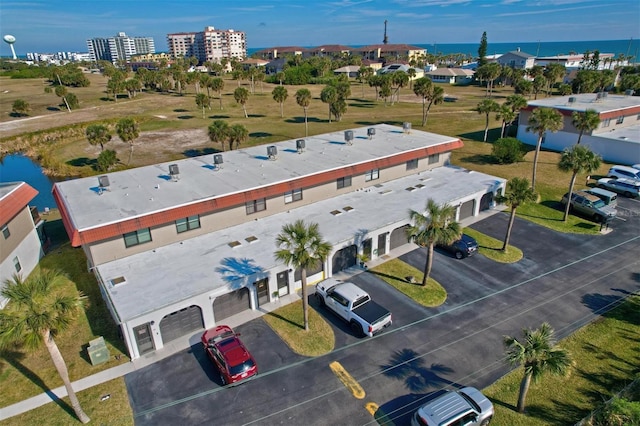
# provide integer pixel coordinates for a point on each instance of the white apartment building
(210, 45)
(119, 48)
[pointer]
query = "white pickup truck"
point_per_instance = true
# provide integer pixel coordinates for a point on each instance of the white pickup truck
(353, 305)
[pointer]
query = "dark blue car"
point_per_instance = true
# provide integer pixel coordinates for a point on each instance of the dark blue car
(464, 247)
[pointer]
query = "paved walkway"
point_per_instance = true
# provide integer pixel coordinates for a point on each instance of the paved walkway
(184, 343)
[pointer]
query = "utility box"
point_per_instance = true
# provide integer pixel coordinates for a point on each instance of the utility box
(98, 351)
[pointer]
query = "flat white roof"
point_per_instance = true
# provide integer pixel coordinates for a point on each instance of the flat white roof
(177, 272)
(585, 101)
(146, 190)
(629, 134)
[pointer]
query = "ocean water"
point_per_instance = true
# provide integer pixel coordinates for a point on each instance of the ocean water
(544, 48)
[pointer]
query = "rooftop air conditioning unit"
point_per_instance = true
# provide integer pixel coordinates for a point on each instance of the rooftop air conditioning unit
(598, 96)
(272, 152)
(103, 184)
(406, 127)
(628, 92)
(371, 132)
(348, 136)
(300, 145)
(217, 161)
(572, 99)
(174, 172)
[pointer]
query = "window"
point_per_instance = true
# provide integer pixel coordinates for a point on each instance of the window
(434, 159)
(291, 196)
(371, 175)
(344, 182)
(256, 205)
(188, 223)
(412, 164)
(16, 264)
(140, 236)
(5, 232)
(620, 119)
(606, 122)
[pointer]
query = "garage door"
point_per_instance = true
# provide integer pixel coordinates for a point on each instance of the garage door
(231, 304)
(398, 237)
(344, 259)
(181, 322)
(466, 209)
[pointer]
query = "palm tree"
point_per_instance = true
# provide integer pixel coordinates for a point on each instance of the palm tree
(541, 121)
(303, 98)
(217, 84)
(36, 313)
(301, 245)
(329, 95)
(411, 72)
(486, 107)
(238, 134)
(280, 94)
(203, 101)
(586, 121)
(364, 74)
(62, 92)
(422, 88)
(97, 134)
(539, 354)
(399, 79)
(219, 132)
(506, 114)
(241, 95)
(127, 130)
(519, 192)
(435, 226)
(577, 159)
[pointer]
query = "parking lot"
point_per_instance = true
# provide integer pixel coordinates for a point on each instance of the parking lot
(564, 279)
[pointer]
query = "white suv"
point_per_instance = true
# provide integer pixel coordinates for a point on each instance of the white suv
(466, 406)
(624, 172)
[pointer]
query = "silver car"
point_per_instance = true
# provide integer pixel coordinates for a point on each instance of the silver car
(590, 206)
(626, 187)
(467, 406)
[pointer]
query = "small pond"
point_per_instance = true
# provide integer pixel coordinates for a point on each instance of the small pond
(17, 167)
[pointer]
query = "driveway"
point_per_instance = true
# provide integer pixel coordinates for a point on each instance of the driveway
(567, 280)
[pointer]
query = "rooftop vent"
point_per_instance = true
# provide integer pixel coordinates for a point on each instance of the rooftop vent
(348, 136)
(371, 132)
(572, 99)
(628, 92)
(599, 96)
(300, 145)
(217, 161)
(174, 172)
(406, 127)
(103, 184)
(272, 152)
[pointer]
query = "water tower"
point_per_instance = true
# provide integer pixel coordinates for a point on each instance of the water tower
(9, 39)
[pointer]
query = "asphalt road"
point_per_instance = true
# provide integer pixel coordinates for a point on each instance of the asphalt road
(566, 280)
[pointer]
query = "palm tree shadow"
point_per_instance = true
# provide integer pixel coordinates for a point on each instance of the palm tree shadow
(408, 365)
(14, 358)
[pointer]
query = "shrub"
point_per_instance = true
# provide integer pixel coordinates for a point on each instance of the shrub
(508, 151)
(106, 159)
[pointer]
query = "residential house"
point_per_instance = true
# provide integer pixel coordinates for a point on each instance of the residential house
(457, 76)
(617, 138)
(279, 52)
(22, 232)
(182, 246)
(517, 60)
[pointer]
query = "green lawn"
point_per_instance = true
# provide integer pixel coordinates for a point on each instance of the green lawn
(395, 272)
(288, 323)
(605, 355)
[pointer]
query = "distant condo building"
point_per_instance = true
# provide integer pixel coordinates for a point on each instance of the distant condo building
(119, 48)
(210, 45)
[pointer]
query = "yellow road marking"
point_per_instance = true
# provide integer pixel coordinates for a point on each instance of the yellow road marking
(346, 379)
(371, 407)
(381, 417)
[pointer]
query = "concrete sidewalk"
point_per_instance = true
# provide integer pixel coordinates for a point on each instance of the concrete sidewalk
(186, 342)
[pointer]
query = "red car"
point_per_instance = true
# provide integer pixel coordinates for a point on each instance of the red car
(231, 357)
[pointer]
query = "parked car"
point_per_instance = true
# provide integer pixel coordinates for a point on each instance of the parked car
(626, 187)
(354, 306)
(617, 172)
(610, 198)
(464, 247)
(232, 359)
(590, 206)
(467, 406)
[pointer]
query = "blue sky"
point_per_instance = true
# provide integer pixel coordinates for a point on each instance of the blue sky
(65, 25)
